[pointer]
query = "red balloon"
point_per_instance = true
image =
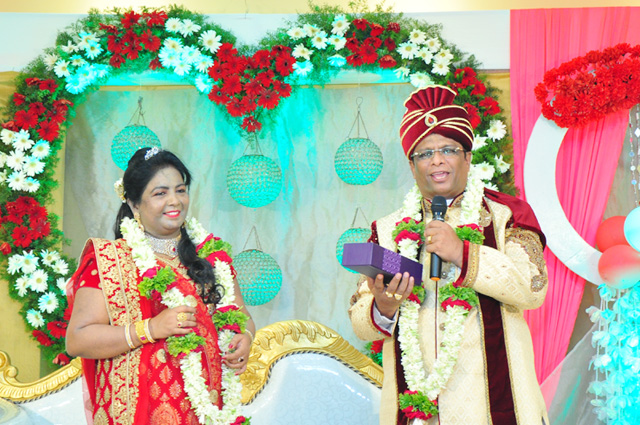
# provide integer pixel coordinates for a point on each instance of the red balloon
(610, 233)
(619, 266)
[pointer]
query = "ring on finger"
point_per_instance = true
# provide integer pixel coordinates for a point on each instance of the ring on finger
(388, 294)
(397, 296)
(429, 239)
(179, 324)
(241, 359)
(182, 317)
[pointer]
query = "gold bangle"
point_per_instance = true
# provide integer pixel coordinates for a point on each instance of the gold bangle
(250, 334)
(147, 332)
(127, 334)
(140, 332)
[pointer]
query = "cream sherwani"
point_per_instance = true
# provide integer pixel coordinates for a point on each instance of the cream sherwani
(513, 274)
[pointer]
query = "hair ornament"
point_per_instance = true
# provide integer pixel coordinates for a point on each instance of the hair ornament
(118, 186)
(151, 153)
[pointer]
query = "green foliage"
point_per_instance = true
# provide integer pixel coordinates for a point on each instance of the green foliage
(184, 344)
(230, 317)
(164, 278)
(418, 401)
(468, 234)
(458, 293)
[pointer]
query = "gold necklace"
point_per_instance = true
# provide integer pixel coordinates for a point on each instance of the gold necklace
(168, 247)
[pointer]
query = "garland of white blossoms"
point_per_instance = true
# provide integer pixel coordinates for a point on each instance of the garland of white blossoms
(191, 364)
(412, 358)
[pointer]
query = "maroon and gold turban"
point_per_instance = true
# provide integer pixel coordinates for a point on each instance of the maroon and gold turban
(431, 111)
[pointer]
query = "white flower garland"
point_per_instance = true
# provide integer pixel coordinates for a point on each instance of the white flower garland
(414, 370)
(191, 364)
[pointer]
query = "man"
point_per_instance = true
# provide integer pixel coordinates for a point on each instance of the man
(474, 355)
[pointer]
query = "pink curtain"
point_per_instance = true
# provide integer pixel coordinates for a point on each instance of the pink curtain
(542, 40)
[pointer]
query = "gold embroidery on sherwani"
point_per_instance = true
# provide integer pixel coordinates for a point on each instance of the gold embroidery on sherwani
(530, 242)
(473, 265)
(119, 286)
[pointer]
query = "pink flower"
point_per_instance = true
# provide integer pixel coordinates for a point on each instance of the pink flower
(414, 298)
(406, 220)
(202, 244)
(472, 226)
(412, 413)
(219, 255)
(405, 234)
(450, 302)
(226, 308)
(234, 327)
(150, 273)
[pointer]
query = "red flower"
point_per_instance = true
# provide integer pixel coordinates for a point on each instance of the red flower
(387, 61)
(480, 89)
(32, 81)
(67, 314)
(111, 29)
(407, 220)
(116, 60)
(284, 64)
(283, 89)
(216, 95)
(150, 273)
(219, 255)
(251, 124)
(253, 88)
(48, 130)
(18, 99)
(21, 236)
(204, 242)
(390, 44)
(235, 107)
(61, 359)
(355, 59)
(233, 327)
(25, 119)
(156, 18)
(376, 29)
(48, 85)
(266, 77)
(226, 51)
(155, 64)
(490, 105)
(42, 338)
(114, 44)
(414, 298)
(474, 115)
(261, 59)
(40, 228)
(268, 99)
(132, 50)
(405, 234)
(37, 108)
(368, 53)
(394, 27)
(5, 248)
(150, 41)
(249, 103)
(240, 420)
(231, 85)
(373, 41)
(57, 329)
(226, 308)
(412, 413)
(361, 24)
(352, 44)
(450, 302)
(472, 226)
(376, 346)
(130, 18)
(62, 105)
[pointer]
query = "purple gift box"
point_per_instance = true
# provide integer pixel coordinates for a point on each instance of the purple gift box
(371, 259)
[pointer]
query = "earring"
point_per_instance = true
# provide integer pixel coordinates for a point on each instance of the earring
(136, 217)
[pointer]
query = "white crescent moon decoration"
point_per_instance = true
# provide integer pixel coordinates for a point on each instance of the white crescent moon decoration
(540, 186)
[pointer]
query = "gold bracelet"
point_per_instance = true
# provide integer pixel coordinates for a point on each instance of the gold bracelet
(147, 332)
(140, 332)
(250, 334)
(127, 334)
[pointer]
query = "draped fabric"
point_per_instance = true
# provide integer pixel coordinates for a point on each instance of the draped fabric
(586, 163)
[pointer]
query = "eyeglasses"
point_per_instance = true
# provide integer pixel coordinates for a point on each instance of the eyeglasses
(430, 153)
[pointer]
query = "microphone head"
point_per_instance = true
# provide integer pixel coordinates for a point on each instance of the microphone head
(439, 205)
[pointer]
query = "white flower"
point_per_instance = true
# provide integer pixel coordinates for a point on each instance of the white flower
(210, 40)
(35, 319)
(48, 302)
(204, 84)
(296, 33)
(29, 262)
(93, 50)
(21, 285)
(60, 267)
(69, 48)
(485, 170)
(172, 44)
(319, 40)
(420, 79)
(497, 130)
(425, 54)
(169, 58)
(417, 36)
(182, 68)
(49, 257)
(77, 60)
(16, 180)
(491, 186)
(310, 30)
(41, 149)
(433, 44)
(32, 166)
(50, 60)
(204, 64)
(38, 281)
(479, 142)
(22, 140)
(303, 68)
(338, 41)
(61, 283)
(173, 24)
(402, 72)
(7, 136)
(440, 68)
(301, 52)
(445, 55)
(407, 50)
(15, 264)
(190, 54)
(3, 159)
(502, 165)
(62, 69)
(340, 25)
(188, 27)
(31, 184)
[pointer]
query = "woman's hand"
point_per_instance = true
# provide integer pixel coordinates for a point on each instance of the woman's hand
(237, 356)
(173, 321)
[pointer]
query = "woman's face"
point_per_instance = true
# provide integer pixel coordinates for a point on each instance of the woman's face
(164, 204)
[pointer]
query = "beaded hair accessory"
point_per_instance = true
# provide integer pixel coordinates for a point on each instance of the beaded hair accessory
(151, 153)
(118, 186)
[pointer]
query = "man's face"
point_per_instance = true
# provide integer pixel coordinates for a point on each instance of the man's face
(444, 175)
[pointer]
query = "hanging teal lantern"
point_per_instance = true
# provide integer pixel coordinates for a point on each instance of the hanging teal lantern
(259, 276)
(353, 235)
(358, 161)
(254, 180)
(129, 140)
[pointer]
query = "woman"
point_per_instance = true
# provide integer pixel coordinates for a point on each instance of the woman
(143, 307)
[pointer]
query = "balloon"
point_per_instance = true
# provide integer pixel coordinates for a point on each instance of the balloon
(610, 233)
(632, 228)
(619, 266)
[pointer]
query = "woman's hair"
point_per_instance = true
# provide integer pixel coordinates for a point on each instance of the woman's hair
(142, 167)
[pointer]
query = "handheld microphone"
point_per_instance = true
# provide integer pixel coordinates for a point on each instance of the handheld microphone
(438, 208)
